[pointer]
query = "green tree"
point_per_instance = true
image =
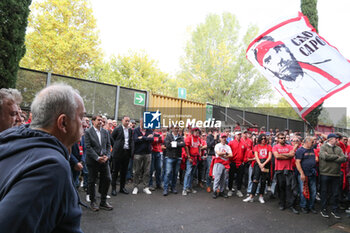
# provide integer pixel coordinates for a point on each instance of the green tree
(214, 68)
(325, 118)
(135, 70)
(13, 24)
(309, 9)
(62, 38)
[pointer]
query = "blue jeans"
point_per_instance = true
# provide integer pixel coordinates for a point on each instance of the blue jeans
(130, 173)
(163, 165)
(75, 178)
(85, 176)
(172, 169)
(309, 204)
(208, 179)
(250, 182)
(190, 170)
(156, 165)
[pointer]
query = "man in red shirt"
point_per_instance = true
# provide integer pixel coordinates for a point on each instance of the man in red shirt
(193, 150)
(284, 155)
(156, 161)
(236, 164)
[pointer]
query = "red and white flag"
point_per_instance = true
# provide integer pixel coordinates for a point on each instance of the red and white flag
(301, 65)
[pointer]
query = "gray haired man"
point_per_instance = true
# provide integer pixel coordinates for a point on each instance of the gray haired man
(36, 188)
(9, 109)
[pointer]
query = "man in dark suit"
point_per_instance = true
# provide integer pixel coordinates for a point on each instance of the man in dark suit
(98, 148)
(121, 153)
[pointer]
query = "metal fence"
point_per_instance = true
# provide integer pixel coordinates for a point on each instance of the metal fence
(229, 116)
(115, 101)
(110, 100)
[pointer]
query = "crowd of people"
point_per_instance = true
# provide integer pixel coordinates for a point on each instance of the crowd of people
(37, 149)
(282, 164)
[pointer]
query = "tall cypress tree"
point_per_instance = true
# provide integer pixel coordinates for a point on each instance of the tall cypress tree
(309, 9)
(13, 24)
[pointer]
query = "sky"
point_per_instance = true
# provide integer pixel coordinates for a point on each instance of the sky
(161, 28)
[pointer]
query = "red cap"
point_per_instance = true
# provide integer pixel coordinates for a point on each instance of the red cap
(194, 129)
(223, 135)
(263, 48)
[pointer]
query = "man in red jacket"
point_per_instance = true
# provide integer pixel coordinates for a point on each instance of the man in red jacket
(236, 164)
(193, 150)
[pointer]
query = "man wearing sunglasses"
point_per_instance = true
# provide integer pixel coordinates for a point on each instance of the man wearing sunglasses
(284, 155)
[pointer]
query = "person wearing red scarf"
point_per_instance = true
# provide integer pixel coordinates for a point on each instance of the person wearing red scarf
(221, 165)
(306, 166)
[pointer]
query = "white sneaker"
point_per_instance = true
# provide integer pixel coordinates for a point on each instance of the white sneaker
(135, 191)
(318, 198)
(230, 193)
(147, 191)
(88, 198)
(108, 197)
(261, 200)
(239, 193)
(249, 199)
(269, 188)
(194, 191)
(184, 193)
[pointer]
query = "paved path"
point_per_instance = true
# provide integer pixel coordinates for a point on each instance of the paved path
(200, 213)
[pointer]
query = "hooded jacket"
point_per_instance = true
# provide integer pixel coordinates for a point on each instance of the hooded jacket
(36, 189)
(331, 158)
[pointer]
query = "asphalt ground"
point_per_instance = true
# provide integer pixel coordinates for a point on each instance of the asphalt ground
(201, 213)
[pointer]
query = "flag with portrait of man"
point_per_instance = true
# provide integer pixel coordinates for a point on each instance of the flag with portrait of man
(301, 65)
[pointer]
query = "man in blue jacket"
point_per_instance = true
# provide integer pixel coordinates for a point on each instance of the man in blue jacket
(36, 189)
(143, 139)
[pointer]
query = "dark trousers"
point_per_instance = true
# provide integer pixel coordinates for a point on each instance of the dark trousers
(120, 165)
(329, 187)
(259, 175)
(239, 178)
(105, 180)
(201, 171)
(285, 187)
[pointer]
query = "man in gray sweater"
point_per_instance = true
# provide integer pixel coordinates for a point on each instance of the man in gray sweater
(331, 158)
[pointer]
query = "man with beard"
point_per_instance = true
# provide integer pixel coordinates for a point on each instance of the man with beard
(276, 57)
(284, 155)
